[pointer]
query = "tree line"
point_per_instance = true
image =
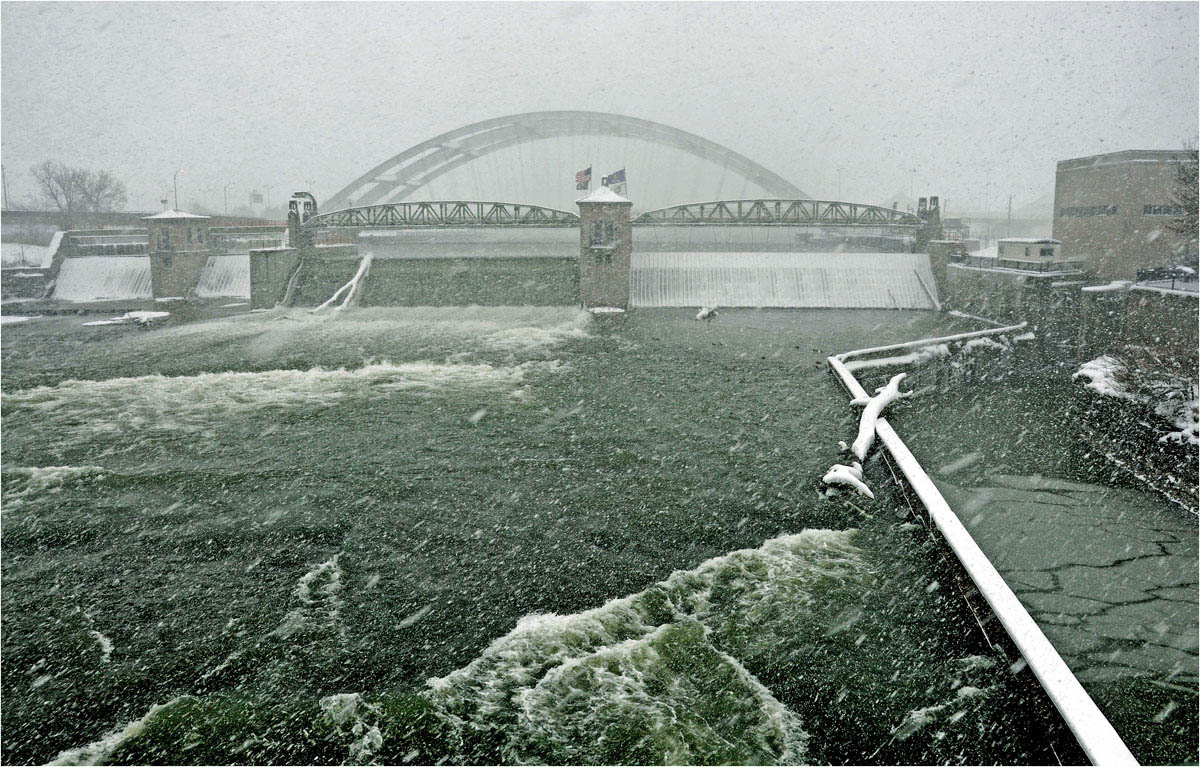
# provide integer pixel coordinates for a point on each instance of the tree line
(77, 190)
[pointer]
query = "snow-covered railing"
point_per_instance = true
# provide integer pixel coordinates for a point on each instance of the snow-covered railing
(1091, 729)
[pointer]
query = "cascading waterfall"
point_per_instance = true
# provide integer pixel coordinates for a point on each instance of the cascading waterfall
(826, 280)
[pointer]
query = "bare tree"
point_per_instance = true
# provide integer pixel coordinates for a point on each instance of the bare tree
(1187, 187)
(77, 190)
(101, 191)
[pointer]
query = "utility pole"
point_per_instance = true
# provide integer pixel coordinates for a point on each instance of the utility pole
(4, 181)
(175, 181)
(226, 192)
(1008, 229)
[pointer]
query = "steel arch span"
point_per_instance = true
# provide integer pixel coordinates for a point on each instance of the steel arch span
(396, 178)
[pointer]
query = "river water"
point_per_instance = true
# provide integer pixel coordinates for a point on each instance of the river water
(496, 535)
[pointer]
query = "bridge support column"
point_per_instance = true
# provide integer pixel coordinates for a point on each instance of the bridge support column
(605, 245)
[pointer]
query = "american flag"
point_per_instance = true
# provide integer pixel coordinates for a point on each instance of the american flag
(583, 179)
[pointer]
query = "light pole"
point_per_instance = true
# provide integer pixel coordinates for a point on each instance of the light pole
(268, 188)
(839, 178)
(175, 181)
(226, 193)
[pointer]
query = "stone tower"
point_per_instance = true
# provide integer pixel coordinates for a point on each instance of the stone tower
(178, 246)
(605, 244)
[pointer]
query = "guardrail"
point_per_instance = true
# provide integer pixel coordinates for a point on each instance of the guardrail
(1091, 729)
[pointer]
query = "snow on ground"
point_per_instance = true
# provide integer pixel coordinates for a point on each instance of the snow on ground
(16, 255)
(1100, 374)
(10, 319)
(141, 317)
(1186, 418)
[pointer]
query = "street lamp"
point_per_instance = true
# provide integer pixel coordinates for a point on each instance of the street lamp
(226, 192)
(175, 181)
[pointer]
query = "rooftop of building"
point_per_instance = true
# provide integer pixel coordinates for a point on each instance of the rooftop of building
(1032, 240)
(603, 194)
(1126, 156)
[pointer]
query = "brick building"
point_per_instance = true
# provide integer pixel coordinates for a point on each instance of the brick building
(1112, 211)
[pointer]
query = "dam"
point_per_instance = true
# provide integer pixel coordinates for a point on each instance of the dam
(466, 520)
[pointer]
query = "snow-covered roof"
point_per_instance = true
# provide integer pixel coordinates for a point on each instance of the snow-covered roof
(603, 194)
(173, 214)
(1032, 240)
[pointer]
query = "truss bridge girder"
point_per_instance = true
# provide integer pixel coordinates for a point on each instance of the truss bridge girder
(446, 214)
(779, 212)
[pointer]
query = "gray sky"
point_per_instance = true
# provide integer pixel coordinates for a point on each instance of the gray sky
(279, 93)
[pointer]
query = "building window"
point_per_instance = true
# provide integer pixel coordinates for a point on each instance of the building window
(1162, 210)
(189, 235)
(166, 238)
(1047, 252)
(1091, 210)
(602, 233)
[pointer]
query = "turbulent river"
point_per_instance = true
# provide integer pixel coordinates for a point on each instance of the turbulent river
(496, 535)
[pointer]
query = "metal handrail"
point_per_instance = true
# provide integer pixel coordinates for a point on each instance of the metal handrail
(1095, 734)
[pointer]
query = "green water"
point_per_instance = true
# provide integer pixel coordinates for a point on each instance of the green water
(281, 559)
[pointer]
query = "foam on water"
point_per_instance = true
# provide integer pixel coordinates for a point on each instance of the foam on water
(121, 406)
(359, 720)
(319, 592)
(99, 751)
(25, 482)
(656, 677)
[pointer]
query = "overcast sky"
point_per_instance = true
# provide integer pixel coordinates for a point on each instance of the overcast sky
(970, 95)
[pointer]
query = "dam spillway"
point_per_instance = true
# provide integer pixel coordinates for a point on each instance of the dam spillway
(792, 280)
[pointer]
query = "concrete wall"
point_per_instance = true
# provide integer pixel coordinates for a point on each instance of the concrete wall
(461, 282)
(176, 274)
(1099, 211)
(320, 276)
(1165, 322)
(1046, 301)
(270, 270)
(549, 281)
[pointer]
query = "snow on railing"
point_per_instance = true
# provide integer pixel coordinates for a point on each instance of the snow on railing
(1094, 732)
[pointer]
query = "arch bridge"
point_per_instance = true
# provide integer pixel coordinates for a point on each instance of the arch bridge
(399, 176)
